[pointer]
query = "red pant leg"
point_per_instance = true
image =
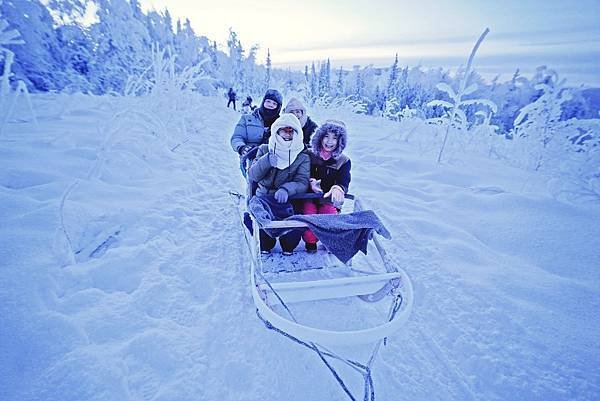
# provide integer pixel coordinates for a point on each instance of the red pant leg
(327, 208)
(309, 207)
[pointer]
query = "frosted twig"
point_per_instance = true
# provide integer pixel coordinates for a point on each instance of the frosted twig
(62, 220)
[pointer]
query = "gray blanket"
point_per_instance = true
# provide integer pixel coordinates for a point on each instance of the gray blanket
(344, 234)
(266, 209)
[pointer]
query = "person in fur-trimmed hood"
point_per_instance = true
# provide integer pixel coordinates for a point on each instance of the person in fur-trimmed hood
(281, 169)
(329, 173)
(296, 107)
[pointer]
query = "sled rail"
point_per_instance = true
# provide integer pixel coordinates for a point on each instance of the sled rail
(284, 224)
(315, 290)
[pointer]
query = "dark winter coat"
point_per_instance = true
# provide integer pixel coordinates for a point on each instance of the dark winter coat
(250, 130)
(335, 171)
(308, 129)
(231, 94)
(269, 179)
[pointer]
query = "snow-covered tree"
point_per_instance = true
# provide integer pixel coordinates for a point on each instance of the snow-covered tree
(187, 45)
(392, 85)
(38, 63)
(339, 84)
(324, 80)
(236, 55)
(313, 87)
(268, 72)
(121, 47)
(8, 99)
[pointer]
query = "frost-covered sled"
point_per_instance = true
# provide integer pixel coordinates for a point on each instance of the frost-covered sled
(293, 293)
(278, 280)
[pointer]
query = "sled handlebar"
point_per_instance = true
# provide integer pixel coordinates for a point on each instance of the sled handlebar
(311, 195)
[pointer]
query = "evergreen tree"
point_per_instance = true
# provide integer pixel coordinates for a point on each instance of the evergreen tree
(313, 83)
(339, 86)
(393, 80)
(121, 47)
(187, 46)
(359, 83)
(379, 101)
(236, 54)
(328, 78)
(324, 85)
(136, 9)
(39, 62)
(68, 12)
(268, 73)
(213, 54)
(321, 85)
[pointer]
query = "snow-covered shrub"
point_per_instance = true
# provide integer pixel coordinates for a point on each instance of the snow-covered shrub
(455, 116)
(8, 96)
(539, 122)
(162, 111)
(572, 157)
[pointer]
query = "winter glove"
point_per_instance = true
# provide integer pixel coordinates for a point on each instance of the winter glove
(315, 185)
(273, 159)
(281, 195)
(337, 195)
(242, 150)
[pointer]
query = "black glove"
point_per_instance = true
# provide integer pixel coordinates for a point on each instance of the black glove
(281, 195)
(266, 134)
(242, 150)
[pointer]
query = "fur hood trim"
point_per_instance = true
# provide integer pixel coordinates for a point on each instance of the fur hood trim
(335, 126)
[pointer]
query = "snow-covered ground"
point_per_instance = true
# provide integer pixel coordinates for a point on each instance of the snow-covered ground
(124, 272)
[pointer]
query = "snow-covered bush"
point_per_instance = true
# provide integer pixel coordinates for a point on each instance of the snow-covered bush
(8, 96)
(455, 116)
(539, 122)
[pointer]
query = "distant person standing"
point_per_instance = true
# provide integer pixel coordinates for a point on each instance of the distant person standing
(232, 96)
(296, 107)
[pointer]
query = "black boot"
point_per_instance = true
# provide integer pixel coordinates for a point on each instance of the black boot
(310, 248)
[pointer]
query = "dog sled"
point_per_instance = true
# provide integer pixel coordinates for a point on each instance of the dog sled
(282, 283)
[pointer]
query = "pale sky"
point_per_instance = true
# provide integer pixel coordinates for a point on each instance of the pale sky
(564, 35)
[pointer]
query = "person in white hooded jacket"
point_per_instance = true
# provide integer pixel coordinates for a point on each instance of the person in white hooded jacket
(281, 169)
(281, 164)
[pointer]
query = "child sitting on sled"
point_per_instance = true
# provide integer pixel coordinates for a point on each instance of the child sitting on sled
(281, 169)
(329, 174)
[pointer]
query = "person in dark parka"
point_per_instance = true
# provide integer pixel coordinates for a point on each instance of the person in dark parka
(255, 128)
(329, 173)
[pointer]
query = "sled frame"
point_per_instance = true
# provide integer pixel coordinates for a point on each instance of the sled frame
(393, 281)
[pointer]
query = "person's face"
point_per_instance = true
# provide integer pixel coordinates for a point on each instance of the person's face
(287, 133)
(298, 113)
(270, 104)
(329, 142)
